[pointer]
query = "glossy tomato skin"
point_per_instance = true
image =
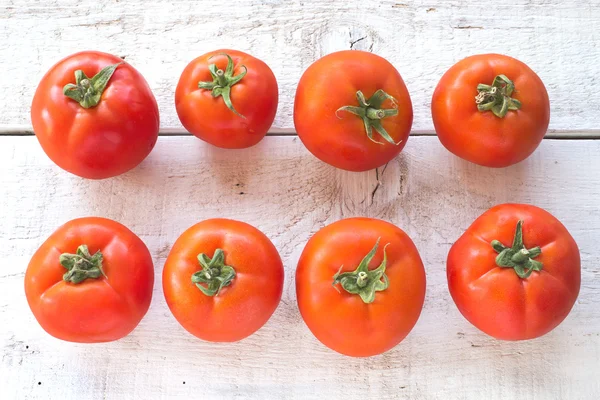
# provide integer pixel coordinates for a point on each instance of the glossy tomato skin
(495, 299)
(337, 137)
(103, 141)
(255, 97)
(241, 308)
(342, 321)
(95, 310)
(482, 137)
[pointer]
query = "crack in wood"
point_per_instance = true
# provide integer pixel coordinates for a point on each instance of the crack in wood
(379, 184)
(101, 23)
(467, 27)
(352, 43)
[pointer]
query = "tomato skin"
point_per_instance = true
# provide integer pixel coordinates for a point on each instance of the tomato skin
(495, 299)
(241, 308)
(95, 310)
(337, 137)
(342, 321)
(103, 141)
(255, 97)
(482, 137)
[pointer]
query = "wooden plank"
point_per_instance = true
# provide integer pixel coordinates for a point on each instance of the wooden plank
(422, 38)
(284, 191)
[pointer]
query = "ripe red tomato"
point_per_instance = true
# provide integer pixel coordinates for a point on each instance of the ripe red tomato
(515, 273)
(352, 110)
(223, 280)
(95, 115)
(360, 285)
(227, 98)
(491, 110)
(91, 281)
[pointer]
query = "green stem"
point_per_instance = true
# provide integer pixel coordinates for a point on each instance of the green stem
(88, 91)
(223, 81)
(370, 111)
(496, 98)
(518, 257)
(363, 281)
(82, 265)
(373, 113)
(214, 273)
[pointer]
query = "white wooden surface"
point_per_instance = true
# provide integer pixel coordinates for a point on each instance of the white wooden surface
(284, 191)
(558, 39)
(280, 188)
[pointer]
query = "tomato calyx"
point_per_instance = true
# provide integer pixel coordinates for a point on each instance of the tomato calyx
(82, 265)
(223, 81)
(214, 273)
(370, 111)
(363, 281)
(496, 98)
(88, 91)
(518, 257)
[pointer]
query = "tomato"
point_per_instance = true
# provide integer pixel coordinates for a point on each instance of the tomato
(515, 273)
(90, 281)
(352, 110)
(223, 280)
(227, 98)
(95, 115)
(360, 285)
(491, 110)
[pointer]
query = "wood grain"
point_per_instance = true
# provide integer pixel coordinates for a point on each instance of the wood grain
(284, 191)
(288, 194)
(422, 38)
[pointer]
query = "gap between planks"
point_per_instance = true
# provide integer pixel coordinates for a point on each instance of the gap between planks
(581, 134)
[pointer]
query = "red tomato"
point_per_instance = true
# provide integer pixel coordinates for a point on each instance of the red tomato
(491, 110)
(360, 285)
(352, 110)
(515, 273)
(223, 280)
(91, 281)
(95, 115)
(227, 98)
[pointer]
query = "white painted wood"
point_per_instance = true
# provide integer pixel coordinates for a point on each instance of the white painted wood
(280, 188)
(284, 191)
(422, 38)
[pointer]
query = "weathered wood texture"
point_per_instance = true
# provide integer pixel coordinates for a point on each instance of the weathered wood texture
(284, 191)
(422, 38)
